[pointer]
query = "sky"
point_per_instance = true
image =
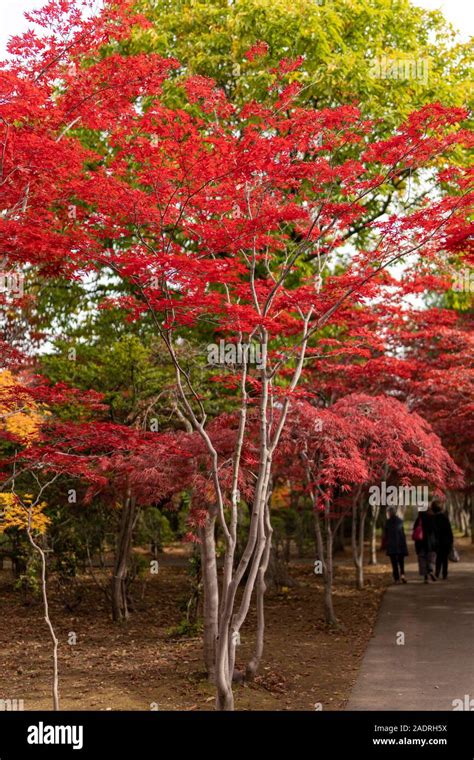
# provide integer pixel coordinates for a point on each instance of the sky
(459, 12)
(12, 20)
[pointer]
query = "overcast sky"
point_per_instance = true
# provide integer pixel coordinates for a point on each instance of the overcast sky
(459, 12)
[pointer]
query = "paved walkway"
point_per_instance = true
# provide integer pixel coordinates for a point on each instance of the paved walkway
(436, 663)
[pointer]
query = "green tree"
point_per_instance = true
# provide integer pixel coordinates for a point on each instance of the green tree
(388, 55)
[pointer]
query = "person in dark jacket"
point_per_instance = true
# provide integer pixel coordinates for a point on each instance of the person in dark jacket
(445, 539)
(396, 545)
(426, 542)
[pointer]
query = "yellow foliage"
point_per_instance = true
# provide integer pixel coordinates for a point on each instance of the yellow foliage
(23, 422)
(15, 514)
(281, 497)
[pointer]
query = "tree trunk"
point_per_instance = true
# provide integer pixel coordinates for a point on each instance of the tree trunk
(358, 530)
(338, 538)
(254, 663)
(373, 535)
(277, 571)
(328, 575)
(360, 565)
(230, 624)
(225, 700)
(47, 619)
(120, 611)
(326, 556)
(210, 593)
(469, 498)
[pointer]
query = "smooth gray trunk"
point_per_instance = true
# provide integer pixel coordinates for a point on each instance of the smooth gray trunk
(325, 553)
(210, 593)
(261, 587)
(373, 535)
(358, 531)
(47, 619)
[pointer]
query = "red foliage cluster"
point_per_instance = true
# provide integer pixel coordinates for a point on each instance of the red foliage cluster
(216, 214)
(358, 442)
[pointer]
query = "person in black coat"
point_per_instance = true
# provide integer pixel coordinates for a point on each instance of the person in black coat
(396, 545)
(425, 536)
(445, 539)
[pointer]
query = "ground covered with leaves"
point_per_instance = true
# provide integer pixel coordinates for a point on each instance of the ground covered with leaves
(150, 662)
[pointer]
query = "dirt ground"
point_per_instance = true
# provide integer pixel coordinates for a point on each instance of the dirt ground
(140, 666)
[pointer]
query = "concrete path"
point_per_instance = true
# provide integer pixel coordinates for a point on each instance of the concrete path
(435, 665)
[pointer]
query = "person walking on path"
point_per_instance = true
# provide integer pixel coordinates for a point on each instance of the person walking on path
(395, 545)
(426, 542)
(445, 539)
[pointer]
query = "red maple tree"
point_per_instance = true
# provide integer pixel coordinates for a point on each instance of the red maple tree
(212, 214)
